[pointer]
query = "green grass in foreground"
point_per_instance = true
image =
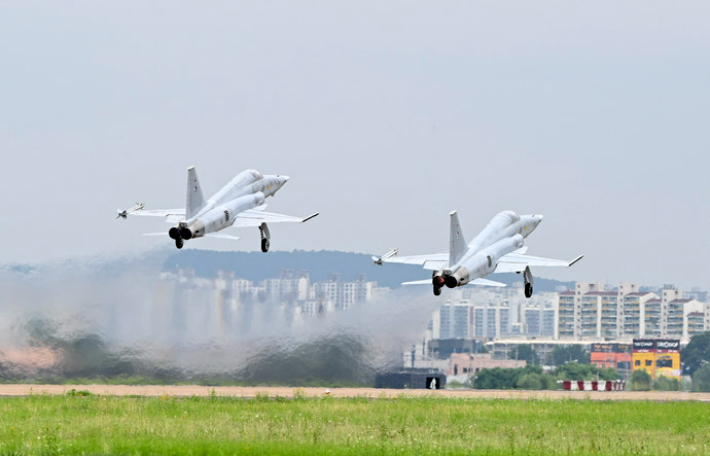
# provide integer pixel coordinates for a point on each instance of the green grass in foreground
(79, 424)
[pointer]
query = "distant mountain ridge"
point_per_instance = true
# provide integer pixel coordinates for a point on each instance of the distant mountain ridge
(258, 266)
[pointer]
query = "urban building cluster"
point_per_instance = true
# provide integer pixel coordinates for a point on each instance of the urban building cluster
(616, 325)
(589, 313)
(291, 287)
(489, 314)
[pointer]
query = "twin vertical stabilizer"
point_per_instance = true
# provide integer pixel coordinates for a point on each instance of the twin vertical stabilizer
(457, 243)
(195, 200)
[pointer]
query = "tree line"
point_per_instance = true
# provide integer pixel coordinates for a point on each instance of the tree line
(532, 377)
(572, 362)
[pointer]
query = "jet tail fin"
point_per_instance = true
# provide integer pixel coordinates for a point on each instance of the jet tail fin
(195, 201)
(457, 243)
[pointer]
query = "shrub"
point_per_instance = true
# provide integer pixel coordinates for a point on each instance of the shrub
(530, 382)
(701, 378)
(640, 380)
(664, 383)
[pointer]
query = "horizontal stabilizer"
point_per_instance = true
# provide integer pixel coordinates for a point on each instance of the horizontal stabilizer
(486, 283)
(418, 282)
(479, 282)
(163, 233)
(252, 217)
(222, 236)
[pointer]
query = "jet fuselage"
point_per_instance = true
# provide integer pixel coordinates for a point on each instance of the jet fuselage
(247, 190)
(505, 233)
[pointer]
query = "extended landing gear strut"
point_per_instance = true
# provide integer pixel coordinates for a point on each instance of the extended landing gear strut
(265, 236)
(528, 278)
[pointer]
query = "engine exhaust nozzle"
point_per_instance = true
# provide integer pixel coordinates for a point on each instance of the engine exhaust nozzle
(451, 281)
(174, 233)
(186, 233)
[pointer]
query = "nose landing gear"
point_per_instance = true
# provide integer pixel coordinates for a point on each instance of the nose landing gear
(179, 243)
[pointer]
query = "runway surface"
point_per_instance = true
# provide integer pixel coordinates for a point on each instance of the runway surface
(249, 392)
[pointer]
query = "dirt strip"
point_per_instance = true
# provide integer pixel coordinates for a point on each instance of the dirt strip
(249, 392)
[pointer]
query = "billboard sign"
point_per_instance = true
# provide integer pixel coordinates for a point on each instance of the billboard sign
(668, 345)
(644, 344)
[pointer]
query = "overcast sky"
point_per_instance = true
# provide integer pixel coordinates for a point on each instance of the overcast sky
(386, 115)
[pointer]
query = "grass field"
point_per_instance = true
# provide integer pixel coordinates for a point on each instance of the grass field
(74, 424)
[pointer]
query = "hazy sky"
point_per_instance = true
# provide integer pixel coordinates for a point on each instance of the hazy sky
(386, 115)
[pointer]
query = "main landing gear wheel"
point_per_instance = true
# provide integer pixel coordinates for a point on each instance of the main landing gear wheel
(179, 243)
(528, 290)
(528, 278)
(265, 236)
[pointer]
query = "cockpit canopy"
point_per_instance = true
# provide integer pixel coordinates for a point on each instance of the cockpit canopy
(247, 177)
(511, 216)
(255, 175)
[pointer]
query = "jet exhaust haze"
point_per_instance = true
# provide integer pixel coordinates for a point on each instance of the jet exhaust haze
(118, 319)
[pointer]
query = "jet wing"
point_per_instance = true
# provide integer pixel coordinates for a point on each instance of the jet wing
(209, 235)
(170, 215)
(516, 262)
(431, 262)
(255, 217)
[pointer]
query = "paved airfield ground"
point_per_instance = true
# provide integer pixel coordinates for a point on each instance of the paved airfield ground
(249, 392)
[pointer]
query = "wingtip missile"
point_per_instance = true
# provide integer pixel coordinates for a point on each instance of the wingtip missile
(310, 217)
(575, 260)
(124, 213)
(378, 260)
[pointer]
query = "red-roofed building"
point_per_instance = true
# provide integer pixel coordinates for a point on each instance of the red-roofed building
(613, 355)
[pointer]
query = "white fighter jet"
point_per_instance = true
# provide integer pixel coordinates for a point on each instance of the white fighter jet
(240, 203)
(498, 248)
